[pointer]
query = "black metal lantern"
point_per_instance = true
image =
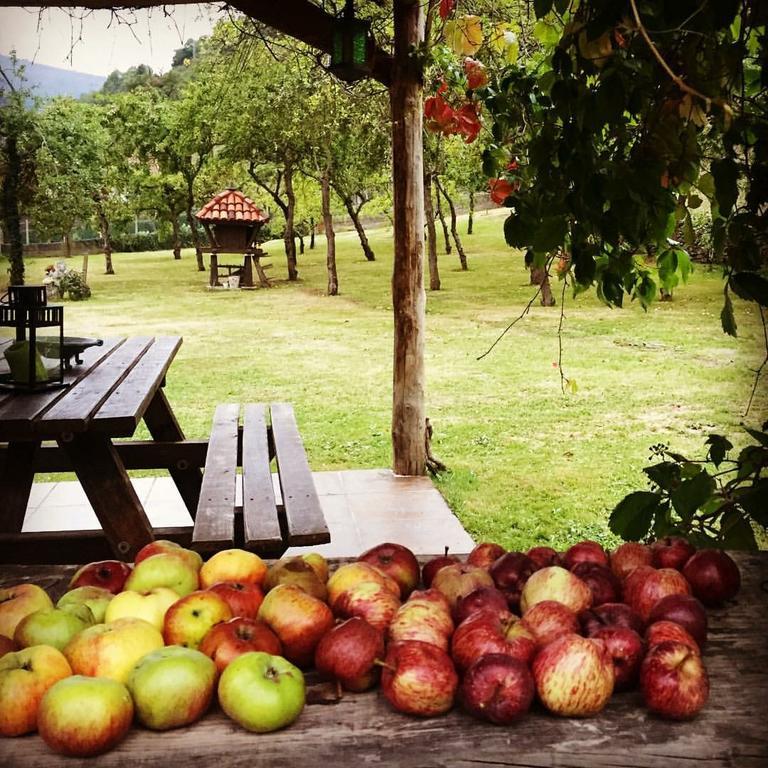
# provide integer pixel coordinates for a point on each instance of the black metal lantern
(26, 310)
(351, 55)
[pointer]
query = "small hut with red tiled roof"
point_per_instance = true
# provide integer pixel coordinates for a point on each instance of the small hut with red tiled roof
(232, 222)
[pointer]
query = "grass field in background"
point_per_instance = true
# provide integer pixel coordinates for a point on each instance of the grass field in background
(527, 464)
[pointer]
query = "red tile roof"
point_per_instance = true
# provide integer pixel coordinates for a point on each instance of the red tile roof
(233, 206)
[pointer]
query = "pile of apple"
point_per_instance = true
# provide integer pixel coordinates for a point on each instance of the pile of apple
(156, 642)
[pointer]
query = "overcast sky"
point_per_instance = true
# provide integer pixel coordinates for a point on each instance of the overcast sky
(97, 43)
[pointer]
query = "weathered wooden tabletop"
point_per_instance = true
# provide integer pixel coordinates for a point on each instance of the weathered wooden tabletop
(362, 729)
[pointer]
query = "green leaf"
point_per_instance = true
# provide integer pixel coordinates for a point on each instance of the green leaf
(736, 532)
(726, 176)
(718, 448)
(706, 185)
(549, 234)
(761, 437)
(691, 494)
(727, 318)
(684, 265)
(546, 33)
(561, 6)
(689, 235)
(666, 475)
(542, 7)
(754, 501)
(516, 232)
(750, 286)
(632, 516)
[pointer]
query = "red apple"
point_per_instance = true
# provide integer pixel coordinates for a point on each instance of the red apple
(674, 681)
(225, 641)
(370, 601)
(684, 610)
(431, 567)
(574, 676)
(487, 631)
(664, 631)
(634, 580)
(484, 554)
(610, 614)
(556, 583)
(160, 546)
(671, 552)
(510, 573)
(543, 556)
(455, 581)
(584, 552)
(713, 575)
(298, 619)
(19, 601)
(627, 556)
(349, 652)
(109, 574)
(188, 620)
(478, 599)
(497, 688)
(626, 649)
(349, 574)
(243, 597)
(424, 616)
(656, 585)
(418, 679)
(605, 586)
(396, 561)
(549, 619)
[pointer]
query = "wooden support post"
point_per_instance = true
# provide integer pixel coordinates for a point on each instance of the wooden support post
(214, 278)
(408, 298)
(16, 479)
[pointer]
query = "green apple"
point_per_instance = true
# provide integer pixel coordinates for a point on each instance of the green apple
(262, 692)
(84, 716)
(53, 626)
(163, 570)
(159, 546)
(150, 606)
(96, 598)
(24, 677)
(112, 650)
(17, 602)
(172, 686)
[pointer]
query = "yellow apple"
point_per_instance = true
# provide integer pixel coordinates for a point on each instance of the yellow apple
(233, 565)
(319, 565)
(350, 574)
(112, 650)
(150, 606)
(188, 620)
(19, 601)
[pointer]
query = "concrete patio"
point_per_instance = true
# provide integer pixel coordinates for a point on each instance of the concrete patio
(363, 508)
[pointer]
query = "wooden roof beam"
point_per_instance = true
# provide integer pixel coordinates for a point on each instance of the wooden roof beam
(300, 19)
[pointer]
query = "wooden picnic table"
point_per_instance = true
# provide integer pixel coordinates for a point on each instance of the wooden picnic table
(361, 729)
(84, 428)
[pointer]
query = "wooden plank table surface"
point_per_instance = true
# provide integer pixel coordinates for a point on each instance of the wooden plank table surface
(361, 729)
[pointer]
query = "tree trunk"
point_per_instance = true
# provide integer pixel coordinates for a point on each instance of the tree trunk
(300, 238)
(176, 237)
(429, 218)
(330, 235)
(540, 277)
(311, 233)
(454, 231)
(355, 216)
(290, 212)
(408, 297)
(85, 268)
(68, 244)
(439, 211)
(471, 217)
(11, 218)
(106, 237)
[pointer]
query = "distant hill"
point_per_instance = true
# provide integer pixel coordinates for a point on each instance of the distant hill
(53, 81)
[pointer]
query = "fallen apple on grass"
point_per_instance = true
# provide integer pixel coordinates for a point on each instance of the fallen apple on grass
(261, 692)
(83, 716)
(25, 676)
(172, 687)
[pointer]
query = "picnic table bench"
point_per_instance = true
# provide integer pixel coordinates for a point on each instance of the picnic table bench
(362, 729)
(83, 428)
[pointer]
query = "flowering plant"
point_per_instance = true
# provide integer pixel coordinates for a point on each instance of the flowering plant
(65, 282)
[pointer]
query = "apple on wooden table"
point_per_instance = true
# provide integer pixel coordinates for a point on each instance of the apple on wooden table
(189, 619)
(150, 606)
(485, 554)
(349, 653)
(19, 601)
(396, 561)
(225, 641)
(350, 574)
(433, 565)
(627, 556)
(243, 597)
(233, 565)
(108, 574)
(53, 626)
(96, 598)
(556, 583)
(163, 570)
(497, 688)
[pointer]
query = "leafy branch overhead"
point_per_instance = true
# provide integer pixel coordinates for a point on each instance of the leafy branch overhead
(625, 118)
(719, 501)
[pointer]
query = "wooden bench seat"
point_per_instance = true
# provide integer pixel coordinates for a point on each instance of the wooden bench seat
(260, 524)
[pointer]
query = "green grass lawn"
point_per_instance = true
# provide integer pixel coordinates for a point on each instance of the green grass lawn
(527, 464)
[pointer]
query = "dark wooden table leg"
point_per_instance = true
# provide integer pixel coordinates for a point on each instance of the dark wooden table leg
(16, 480)
(108, 488)
(247, 276)
(213, 279)
(162, 425)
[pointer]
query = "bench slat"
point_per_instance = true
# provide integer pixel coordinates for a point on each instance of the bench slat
(260, 521)
(215, 519)
(304, 516)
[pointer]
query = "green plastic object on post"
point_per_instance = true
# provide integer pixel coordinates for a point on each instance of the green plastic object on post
(17, 355)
